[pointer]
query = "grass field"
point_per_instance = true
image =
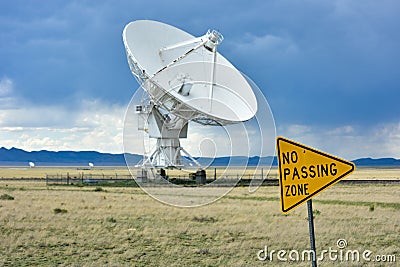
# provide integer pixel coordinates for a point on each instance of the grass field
(109, 226)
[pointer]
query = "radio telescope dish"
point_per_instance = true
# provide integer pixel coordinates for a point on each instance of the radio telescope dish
(31, 164)
(187, 80)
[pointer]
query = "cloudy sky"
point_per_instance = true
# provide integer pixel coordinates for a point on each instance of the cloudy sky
(330, 70)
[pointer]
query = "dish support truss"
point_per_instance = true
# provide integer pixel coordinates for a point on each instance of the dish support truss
(167, 131)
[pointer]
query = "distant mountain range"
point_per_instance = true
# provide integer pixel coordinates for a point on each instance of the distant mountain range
(19, 157)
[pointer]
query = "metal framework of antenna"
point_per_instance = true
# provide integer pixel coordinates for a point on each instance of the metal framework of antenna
(168, 131)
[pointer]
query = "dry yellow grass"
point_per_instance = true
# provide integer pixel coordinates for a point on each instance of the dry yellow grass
(125, 227)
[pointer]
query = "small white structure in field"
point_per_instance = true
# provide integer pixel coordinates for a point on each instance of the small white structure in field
(31, 164)
(91, 165)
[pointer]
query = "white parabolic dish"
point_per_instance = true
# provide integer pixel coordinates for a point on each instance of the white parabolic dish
(231, 99)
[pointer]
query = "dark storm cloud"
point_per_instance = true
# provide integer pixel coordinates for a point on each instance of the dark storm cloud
(318, 62)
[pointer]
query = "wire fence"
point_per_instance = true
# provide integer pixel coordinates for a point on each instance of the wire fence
(95, 179)
(85, 178)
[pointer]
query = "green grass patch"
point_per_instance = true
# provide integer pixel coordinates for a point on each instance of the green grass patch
(204, 219)
(332, 202)
(361, 203)
(123, 183)
(99, 189)
(111, 220)
(6, 197)
(371, 208)
(316, 212)
(59, 211)
(256, 198)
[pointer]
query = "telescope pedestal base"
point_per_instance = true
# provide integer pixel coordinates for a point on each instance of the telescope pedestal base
(168, 154)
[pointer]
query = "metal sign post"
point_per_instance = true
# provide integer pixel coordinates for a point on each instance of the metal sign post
(312, 235)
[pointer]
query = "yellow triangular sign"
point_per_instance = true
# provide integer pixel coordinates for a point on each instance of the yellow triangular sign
(304, 172)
